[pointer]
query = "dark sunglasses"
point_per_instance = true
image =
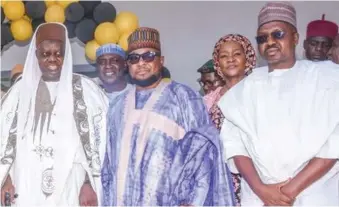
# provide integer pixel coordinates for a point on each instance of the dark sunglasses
(147, 57)
(277, 35)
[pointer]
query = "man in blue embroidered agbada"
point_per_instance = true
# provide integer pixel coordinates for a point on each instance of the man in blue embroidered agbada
(162, 148)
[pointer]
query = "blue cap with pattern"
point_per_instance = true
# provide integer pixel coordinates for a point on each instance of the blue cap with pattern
(110, 49)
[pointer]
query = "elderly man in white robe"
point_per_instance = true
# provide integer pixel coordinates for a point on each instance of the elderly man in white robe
(281, 128)
(53, 129)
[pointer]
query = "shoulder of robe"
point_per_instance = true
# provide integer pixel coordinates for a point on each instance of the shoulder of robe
(12, 91)
(256, 77)
(257, 74)
(237, 95)
(327, 73)
(183, 91)
(90, 88)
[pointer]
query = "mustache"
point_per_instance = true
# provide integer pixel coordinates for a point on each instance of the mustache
(116, 69)
(143, 68)
(271, 47)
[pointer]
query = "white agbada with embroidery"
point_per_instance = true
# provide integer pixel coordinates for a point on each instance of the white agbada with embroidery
(282, 120)
(50, 172)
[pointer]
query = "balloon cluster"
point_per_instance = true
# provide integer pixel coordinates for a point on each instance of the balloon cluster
(93, 22)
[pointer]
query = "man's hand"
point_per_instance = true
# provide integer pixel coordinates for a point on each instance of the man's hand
(9, 188)
(290, 191)
(87, 196)
(271, 195)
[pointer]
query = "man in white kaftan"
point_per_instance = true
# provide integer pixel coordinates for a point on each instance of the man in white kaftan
(281, 128)
(53, 128)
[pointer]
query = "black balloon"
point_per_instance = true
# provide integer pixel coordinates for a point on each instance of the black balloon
(35, 9)
(104, 12)
(85, 30)
(36, 23)
(6, 34)
(74, 12)
(89, 7)
(70, 28)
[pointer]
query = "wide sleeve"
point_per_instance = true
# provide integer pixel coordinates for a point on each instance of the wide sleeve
(192, 109)
(198, 173)
(96, 104)
(232, 140)
(99, 124)
(330, 149)
(8, 124)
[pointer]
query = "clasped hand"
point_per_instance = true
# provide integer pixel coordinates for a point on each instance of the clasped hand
(279, 194)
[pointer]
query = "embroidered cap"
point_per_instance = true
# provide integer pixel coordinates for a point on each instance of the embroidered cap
(110, 49)
(277, 11)
(144, 37)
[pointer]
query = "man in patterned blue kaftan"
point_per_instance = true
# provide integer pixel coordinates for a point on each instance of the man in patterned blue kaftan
(162, 148)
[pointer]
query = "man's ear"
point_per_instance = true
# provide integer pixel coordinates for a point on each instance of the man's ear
(296, 38)
(162, 60)
(305, 43)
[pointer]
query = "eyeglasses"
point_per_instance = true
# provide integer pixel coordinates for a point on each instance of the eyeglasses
(277, 35)
(147, 57)
(209, 83)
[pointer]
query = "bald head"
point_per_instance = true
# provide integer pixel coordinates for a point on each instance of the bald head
(51, 32)
(333, 53)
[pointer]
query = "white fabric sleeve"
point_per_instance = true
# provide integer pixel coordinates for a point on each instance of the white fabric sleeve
(232, 139)
(330, 149)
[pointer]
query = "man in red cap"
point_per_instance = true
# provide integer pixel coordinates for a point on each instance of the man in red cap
(319, 37)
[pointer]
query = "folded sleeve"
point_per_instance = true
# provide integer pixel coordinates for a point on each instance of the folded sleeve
(330, 149)
(232, 140)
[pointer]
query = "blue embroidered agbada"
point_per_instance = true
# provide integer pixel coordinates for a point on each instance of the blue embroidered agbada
(163, 150)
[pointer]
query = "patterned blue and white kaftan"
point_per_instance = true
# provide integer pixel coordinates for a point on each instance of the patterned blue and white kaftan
(163, 150)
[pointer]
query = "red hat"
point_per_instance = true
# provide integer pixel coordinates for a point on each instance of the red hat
(322, 28)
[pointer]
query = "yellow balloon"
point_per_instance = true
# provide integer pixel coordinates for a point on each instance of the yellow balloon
(3, 3)
(21, 29)
(64, 4)
(123, 41)
(27, 18)
(126, 22)
(49, 3)
(106, 33)
(14, 10)
(55, 13)
(91, 49)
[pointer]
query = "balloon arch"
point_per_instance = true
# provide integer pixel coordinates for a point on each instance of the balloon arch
(93, 22)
